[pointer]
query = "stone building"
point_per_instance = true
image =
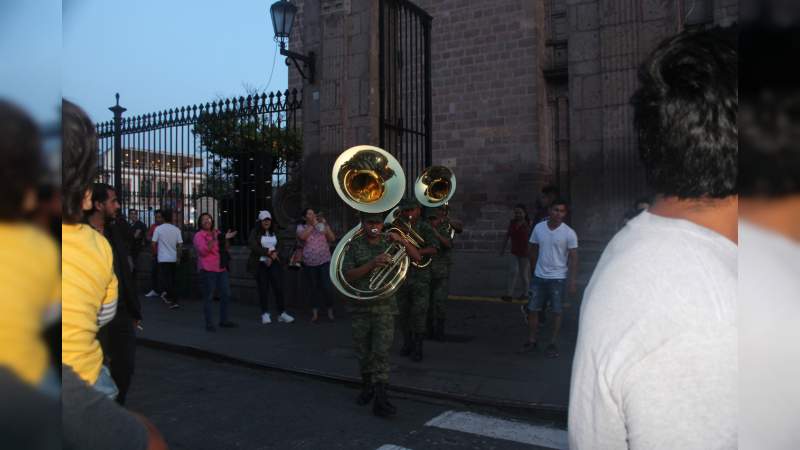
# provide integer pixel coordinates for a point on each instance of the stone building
(524, 93)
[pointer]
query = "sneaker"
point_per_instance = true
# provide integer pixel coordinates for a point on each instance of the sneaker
(551, 351)
(528, 347)
(265, 318)
(152, 293)
(285, 318)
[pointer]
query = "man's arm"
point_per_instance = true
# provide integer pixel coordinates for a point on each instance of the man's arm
(572, 265)
(533, 252)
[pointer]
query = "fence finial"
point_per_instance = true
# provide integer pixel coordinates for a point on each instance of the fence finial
(117, 98)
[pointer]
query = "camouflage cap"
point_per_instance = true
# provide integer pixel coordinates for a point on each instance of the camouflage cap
(431, 212)
(408, 203)
(371, 217)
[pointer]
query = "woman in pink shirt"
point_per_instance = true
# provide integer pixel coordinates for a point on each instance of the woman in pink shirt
(212, 273)
(316, 236)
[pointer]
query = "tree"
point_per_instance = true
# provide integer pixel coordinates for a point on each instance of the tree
(252, 141)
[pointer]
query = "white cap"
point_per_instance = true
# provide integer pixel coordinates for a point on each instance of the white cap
(264, 215)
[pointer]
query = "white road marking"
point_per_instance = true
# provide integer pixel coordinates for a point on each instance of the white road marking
(392, 447)
(501, 429)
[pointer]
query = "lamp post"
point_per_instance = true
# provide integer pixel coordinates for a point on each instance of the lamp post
(282, 13)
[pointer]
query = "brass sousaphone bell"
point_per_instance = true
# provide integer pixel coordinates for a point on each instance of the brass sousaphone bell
(370, 180)
(435, 187)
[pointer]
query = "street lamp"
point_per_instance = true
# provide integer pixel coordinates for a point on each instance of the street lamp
(282, 13)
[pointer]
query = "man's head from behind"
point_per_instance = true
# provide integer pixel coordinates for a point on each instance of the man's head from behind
(104, 201)
(685, 112)
(20, 162)
(79, 166)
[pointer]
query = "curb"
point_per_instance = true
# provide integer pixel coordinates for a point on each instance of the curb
(541, 411)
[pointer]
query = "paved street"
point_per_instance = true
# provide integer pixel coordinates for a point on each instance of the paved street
(478, 362)
(199, 404)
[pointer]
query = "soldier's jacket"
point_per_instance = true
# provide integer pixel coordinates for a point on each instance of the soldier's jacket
(440, 267)
(424, 229)
(359, 253)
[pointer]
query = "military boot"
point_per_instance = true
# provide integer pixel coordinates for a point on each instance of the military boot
(416, 355)
(381, 406)
(408, 344)
(367, 390)
(439, 330)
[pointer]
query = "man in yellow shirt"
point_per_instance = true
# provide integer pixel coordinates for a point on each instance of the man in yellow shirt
(89, 297)
(29, 279)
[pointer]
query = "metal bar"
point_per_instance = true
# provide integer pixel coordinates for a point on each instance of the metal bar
(428, 99)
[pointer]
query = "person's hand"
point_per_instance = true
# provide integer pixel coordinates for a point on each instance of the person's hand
(381, 260)
(230, 234)
(394, 237)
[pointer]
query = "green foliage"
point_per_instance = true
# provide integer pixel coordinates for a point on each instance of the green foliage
(232, 134)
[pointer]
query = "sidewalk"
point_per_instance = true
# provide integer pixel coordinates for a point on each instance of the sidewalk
(479, 362)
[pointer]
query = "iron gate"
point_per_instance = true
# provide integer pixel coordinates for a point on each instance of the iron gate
(231, 158)
(405, 85)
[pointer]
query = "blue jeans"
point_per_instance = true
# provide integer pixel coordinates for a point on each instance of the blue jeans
(210, 281)
(318, 285)
(543, 291)
(105, 384)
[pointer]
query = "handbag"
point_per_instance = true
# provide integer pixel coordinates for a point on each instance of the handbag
(296, 260)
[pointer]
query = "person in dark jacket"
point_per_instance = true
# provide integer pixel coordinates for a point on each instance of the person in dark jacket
(266, 266)
(118, 338)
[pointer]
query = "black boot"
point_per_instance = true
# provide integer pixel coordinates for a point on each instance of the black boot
(367, 390)
(408, 344)
(381, 406)
(416, 355)
(439, 330)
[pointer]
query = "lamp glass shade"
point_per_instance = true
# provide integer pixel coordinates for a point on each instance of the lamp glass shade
(282, 13)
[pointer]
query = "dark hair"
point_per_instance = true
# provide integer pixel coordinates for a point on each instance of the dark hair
(132, 210)
(159, 211)
(20, 159)
(79, 167)
(559, 201)
(685, 114)
(100, 193)
(770, 113)
(269, 231)
(303, 215)
(167, 215)
(200, 218)
(524, 211)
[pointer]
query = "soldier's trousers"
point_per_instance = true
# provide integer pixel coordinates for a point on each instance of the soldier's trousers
(439, 291)
(413, 300)
(373, 334)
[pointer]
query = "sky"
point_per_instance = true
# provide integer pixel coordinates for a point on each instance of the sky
(30, 51)
(163, 54)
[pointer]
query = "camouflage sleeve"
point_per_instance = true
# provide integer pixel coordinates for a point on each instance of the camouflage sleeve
(349, 260)
(430, 237)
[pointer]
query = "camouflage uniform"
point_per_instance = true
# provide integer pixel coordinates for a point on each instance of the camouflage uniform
(373, 320)
(413, 298)
(440, 275)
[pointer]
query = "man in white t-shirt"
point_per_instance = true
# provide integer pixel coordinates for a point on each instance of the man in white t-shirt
(655, 364)
(769, 239)
(167, 242)
(554, 254)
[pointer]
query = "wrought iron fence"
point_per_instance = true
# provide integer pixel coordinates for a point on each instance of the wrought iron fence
(405, 85)
(231, 158)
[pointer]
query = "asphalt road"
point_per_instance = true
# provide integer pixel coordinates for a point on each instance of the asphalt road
(200, 404)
